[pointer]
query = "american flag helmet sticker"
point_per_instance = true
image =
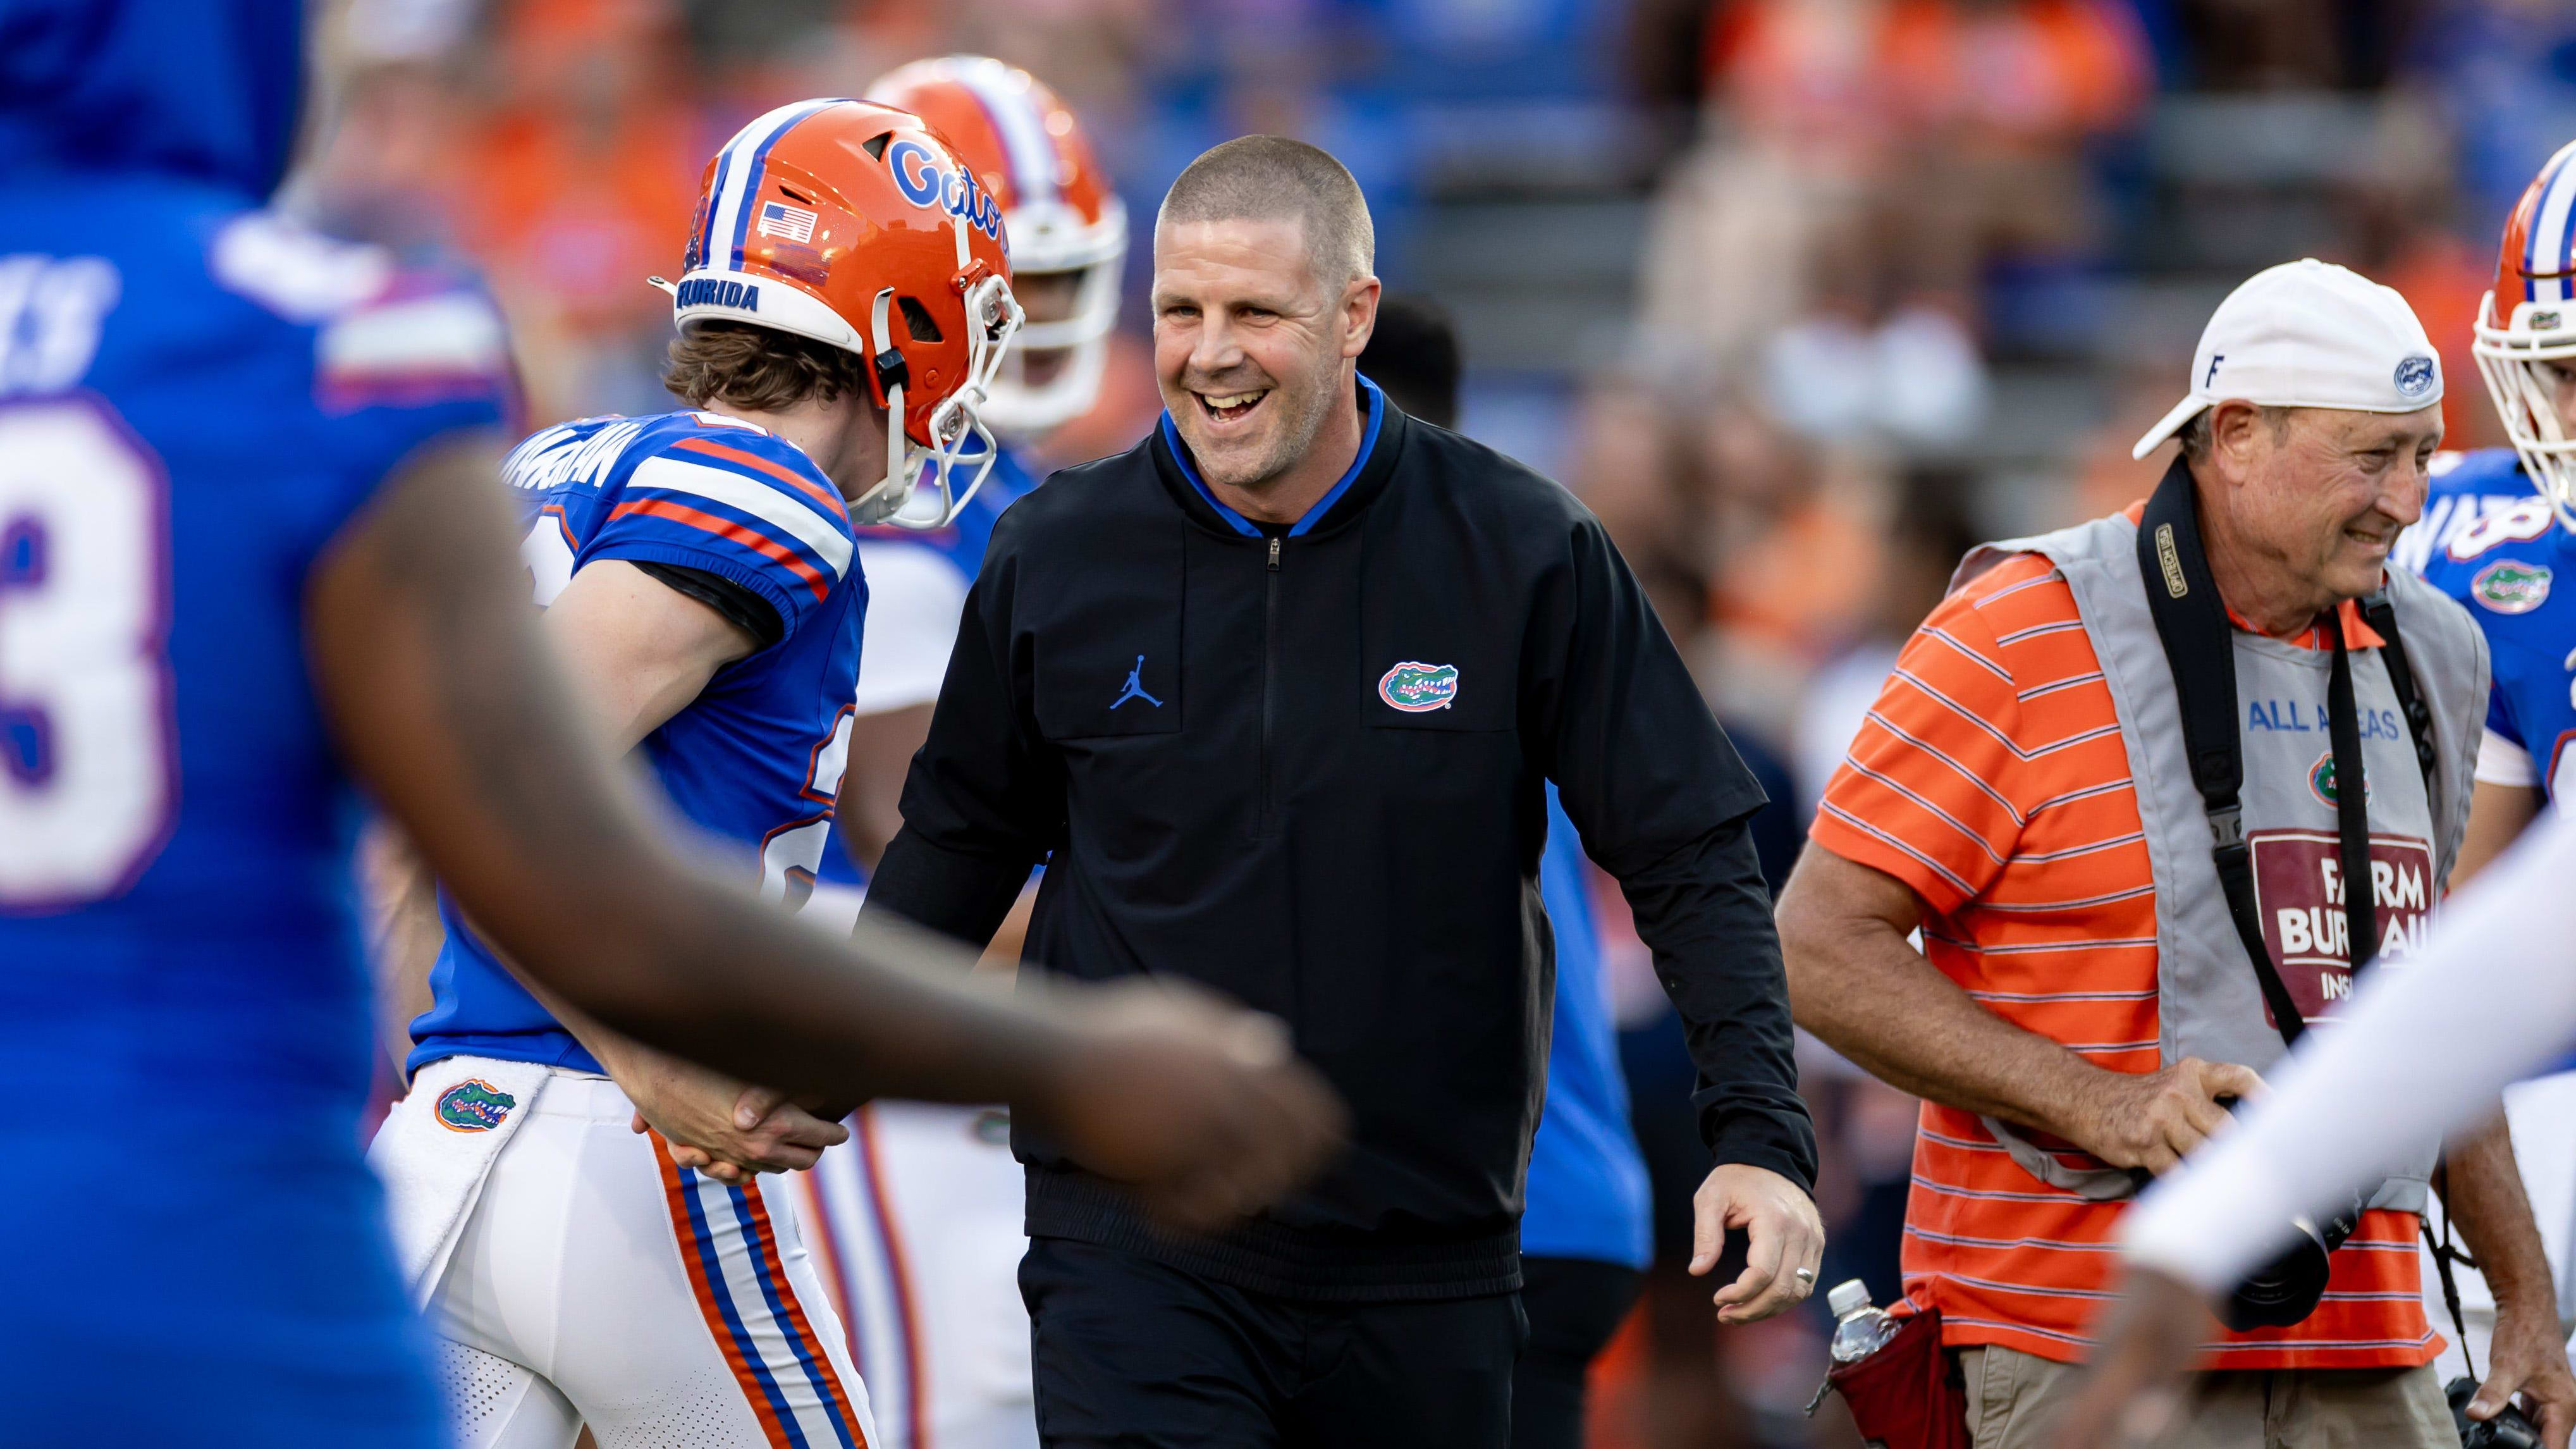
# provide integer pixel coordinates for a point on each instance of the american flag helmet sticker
(777, 218)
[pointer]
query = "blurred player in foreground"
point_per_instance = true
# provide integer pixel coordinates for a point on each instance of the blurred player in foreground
(1585, 1230)
(2501, 563)
(917, 1220)
(249, 539)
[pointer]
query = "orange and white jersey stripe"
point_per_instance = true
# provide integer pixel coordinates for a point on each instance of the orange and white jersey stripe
(1991, 778)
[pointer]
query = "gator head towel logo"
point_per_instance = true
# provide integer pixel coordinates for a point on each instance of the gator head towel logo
(2321, 780)
(2509, 586)
(473, 1105)
(1418, 688)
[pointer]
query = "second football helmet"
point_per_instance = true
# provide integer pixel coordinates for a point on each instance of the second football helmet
(854, 224)
(2525, 341)
(1062, 217)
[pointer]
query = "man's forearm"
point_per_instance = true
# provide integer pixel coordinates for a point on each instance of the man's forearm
(1705, 914)
(960, 895)
(2483, 1194)
(1867, 994)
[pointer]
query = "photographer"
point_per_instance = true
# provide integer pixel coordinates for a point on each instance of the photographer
(2104, 781)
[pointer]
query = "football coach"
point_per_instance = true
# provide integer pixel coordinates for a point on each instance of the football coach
(1273, 695)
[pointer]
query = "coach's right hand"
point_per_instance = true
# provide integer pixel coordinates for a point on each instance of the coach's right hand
(1201, 1107)
(2154, 1119)
(714, 1123)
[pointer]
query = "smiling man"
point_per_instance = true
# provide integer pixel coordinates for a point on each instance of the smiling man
(2117, 780)
(1275, 695)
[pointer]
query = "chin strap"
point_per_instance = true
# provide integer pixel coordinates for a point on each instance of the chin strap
(893, 489)
(993, 317)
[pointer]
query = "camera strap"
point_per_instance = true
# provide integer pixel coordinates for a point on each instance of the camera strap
(2199, 645)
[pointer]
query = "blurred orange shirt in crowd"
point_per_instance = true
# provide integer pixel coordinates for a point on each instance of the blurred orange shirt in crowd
(583, 177)
(1842, 81)
(1992, 780)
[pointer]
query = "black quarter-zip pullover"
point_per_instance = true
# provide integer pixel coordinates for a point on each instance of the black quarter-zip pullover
(1305, 766)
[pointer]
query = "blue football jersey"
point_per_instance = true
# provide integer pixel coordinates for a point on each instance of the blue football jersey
(1587, 1181)
(961, 547)
(2466, 487)
(754, 762)
(2504, 566)
(195, 397)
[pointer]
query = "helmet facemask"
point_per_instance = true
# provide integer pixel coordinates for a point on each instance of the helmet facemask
(1022, 409)
(2520, 365)
(993, 318)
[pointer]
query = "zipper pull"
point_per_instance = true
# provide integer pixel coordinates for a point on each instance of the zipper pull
(1274, 555)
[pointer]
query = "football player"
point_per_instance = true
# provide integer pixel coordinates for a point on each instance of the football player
(845, 301)
(251, 550)
(918, 1218)
(2503, 562)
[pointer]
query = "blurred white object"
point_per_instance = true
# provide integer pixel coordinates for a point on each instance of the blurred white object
(1820, 375)
(1931, 385)
(396, 32)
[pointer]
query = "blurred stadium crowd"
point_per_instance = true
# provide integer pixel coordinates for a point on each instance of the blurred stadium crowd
(1803, 297)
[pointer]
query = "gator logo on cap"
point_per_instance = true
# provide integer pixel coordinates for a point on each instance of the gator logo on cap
(2510, 586)
(1418, 688)
(2321, 780)
(2415, 376)
(473, 1105)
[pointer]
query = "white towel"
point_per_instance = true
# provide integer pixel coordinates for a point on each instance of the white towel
(435, 1149)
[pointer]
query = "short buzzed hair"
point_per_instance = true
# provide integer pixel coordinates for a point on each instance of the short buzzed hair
(1272, 178)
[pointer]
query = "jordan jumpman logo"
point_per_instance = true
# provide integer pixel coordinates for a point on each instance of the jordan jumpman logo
(1136, 687)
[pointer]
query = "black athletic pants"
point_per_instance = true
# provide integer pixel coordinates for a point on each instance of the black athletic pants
(1130, 1354)
(1574, 1306)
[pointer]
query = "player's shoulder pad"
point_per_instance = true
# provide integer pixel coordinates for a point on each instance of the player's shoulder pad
(750, 474)
(2480, 471)
(385, 334)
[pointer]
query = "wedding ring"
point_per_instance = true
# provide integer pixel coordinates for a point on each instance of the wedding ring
(1806, 1275)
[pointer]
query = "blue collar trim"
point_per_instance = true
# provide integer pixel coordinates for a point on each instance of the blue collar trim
(1322, 506)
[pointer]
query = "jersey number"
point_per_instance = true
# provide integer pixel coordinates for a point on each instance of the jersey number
(792, 853)
(88, 751)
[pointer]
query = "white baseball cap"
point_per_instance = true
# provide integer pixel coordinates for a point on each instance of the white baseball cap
(2308, 334)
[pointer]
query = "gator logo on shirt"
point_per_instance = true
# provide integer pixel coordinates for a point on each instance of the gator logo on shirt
(473, 1105)
(2509, 586)
(2321, 781)
(1418, 688)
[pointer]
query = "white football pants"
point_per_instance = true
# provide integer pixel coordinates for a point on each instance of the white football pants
(596, 1282)
(916, 1220)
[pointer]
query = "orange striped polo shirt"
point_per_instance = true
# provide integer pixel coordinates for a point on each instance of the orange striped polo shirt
(1991, 779)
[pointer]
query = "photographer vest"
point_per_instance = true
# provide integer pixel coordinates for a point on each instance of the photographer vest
(2210, 1002)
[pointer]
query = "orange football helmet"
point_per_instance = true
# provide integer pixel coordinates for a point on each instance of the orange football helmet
(1061, 214)
(854, 224)
(2526, 331)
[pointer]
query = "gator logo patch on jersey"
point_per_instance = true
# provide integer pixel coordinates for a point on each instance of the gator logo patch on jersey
(1418, 688)
(2510, 586)
(2321, 780)
(474, 1105)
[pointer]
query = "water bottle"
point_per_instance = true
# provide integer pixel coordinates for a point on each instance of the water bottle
(1859, 1329)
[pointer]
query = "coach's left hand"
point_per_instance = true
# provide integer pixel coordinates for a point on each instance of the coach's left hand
(1783, 1235)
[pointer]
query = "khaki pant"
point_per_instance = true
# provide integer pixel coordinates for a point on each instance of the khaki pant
(2010, 1393)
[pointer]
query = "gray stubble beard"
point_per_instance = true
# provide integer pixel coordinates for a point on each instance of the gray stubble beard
(1295, 440)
